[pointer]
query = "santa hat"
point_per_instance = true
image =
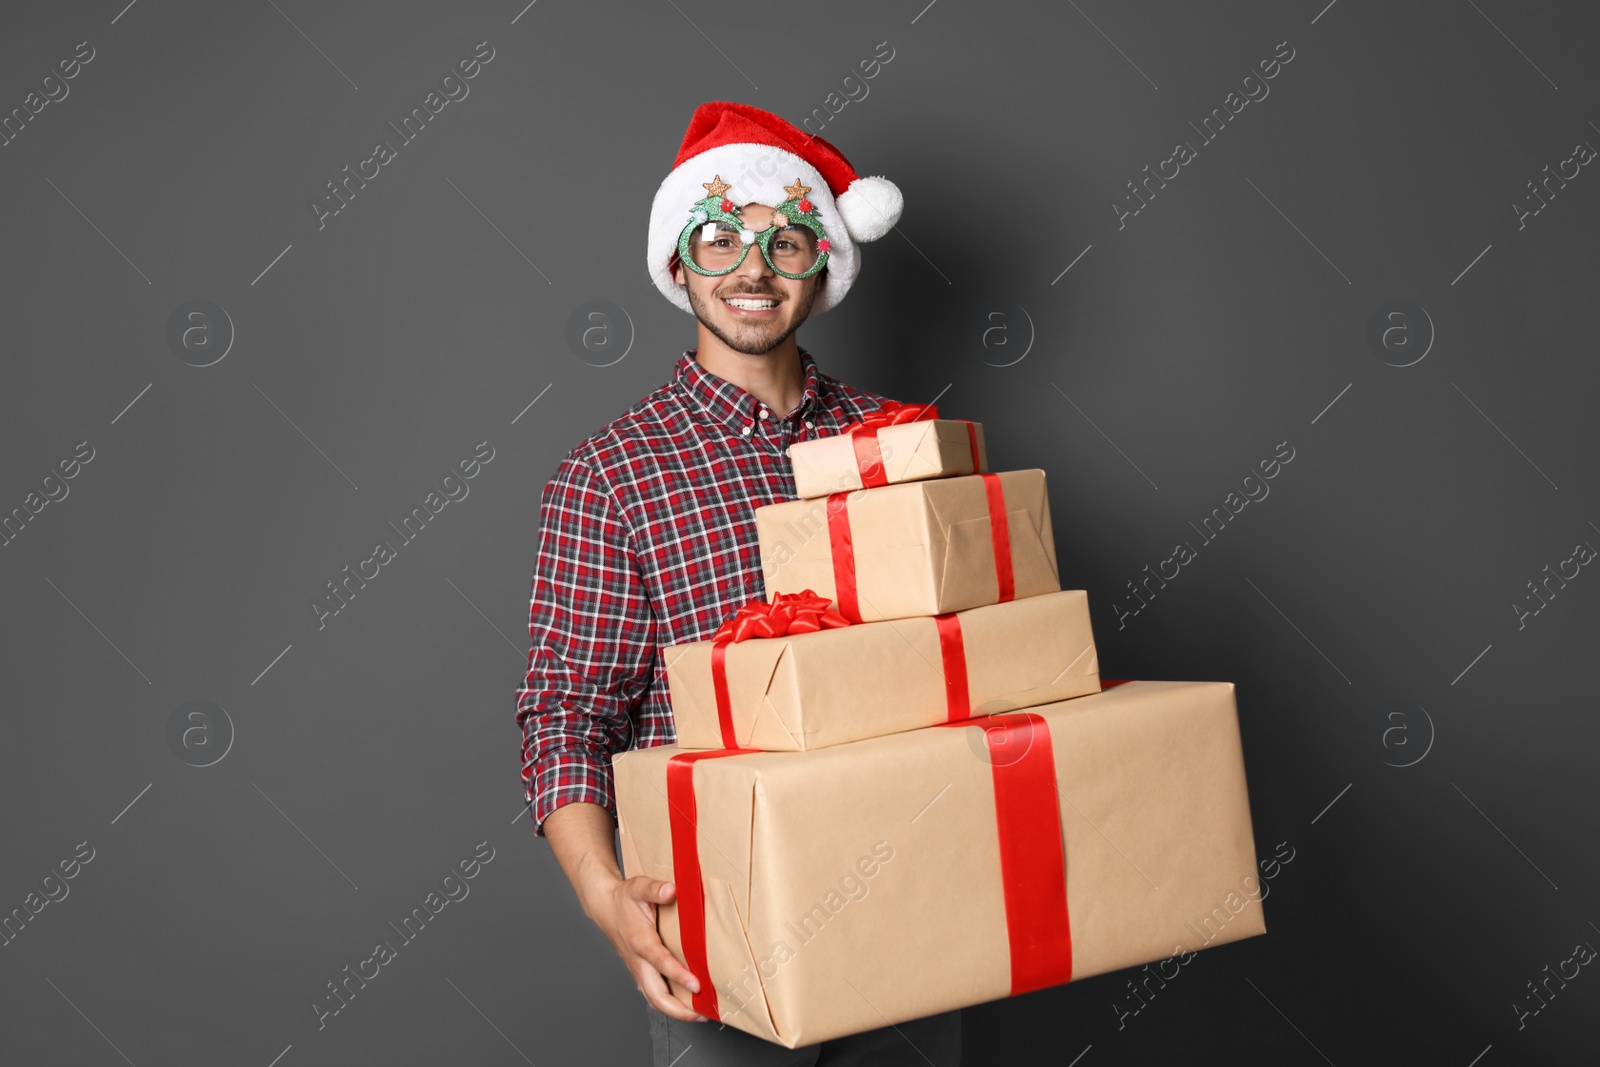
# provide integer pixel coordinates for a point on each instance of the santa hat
(758, 154)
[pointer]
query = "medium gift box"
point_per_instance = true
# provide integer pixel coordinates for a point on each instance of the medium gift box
(825, 893)
(793, 674)
(918, 548)
(897, 443)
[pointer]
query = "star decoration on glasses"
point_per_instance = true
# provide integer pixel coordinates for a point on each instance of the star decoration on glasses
(796, 191)
(716, 186)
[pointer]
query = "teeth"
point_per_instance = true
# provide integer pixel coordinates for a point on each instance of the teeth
(745, 304)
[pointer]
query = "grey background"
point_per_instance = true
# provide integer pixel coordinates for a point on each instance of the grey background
(370, 356)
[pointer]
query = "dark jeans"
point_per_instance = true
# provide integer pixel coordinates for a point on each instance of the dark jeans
(934, 1040)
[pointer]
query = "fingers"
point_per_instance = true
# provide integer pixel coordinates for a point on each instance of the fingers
(657, 956)
(646, 945)
(650, 890)
(648, 893)
(660, 998)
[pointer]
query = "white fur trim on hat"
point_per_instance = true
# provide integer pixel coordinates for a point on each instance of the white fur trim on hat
(871, 207)
(755, 173)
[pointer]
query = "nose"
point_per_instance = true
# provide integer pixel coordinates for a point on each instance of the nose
(754, 266)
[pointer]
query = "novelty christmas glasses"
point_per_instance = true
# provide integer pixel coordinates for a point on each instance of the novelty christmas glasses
(715, 240)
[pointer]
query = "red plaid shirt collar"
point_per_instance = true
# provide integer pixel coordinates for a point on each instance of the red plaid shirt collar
(722, 401)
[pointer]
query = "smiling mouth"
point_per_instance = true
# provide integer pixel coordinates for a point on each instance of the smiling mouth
(748, 305)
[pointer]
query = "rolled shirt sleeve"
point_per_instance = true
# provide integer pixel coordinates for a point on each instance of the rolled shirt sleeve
(593, 643)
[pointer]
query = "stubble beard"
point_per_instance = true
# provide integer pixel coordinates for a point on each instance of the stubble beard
(754, 339)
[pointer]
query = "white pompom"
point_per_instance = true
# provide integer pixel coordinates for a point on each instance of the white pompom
(870, 208)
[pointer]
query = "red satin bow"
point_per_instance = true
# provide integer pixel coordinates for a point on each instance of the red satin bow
(892, 413)
(789, 613)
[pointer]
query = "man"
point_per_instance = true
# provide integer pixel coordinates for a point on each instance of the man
(647, 532)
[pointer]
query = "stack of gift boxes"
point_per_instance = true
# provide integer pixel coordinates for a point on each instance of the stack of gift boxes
(900, 786)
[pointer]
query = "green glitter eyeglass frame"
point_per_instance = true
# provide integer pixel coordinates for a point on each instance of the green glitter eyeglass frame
(709, 209)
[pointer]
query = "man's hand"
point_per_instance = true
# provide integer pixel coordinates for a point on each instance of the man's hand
(624, 910)
(627, 916)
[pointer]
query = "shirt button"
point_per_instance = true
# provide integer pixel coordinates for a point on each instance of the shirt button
(746, 431)
(765, 413)
(810, 425)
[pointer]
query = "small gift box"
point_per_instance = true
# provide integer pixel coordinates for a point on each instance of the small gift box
(793, 674)
(918, 548)
(897, 443)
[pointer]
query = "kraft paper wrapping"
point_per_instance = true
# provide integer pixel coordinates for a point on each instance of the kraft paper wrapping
(804, 945)
(921, 548)
(911, 451)
(812, 690)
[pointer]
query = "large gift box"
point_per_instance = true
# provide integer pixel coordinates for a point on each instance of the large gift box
(831, 892)
(918, 548)
(793, 674)
(897, 443)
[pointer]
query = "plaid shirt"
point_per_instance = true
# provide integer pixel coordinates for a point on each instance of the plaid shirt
(648, 538)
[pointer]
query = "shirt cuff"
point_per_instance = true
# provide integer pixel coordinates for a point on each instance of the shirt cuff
(570, 775)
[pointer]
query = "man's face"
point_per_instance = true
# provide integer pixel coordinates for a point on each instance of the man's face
(750, 330)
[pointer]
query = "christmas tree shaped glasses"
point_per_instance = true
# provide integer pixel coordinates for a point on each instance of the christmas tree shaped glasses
(715, 240)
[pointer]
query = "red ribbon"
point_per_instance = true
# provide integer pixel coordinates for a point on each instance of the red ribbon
(844, 557)
(892, 413)
(863, 436)
(686, 873)
(1032, 860)
(788, 613)
(1000, 532)
(952, 650)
